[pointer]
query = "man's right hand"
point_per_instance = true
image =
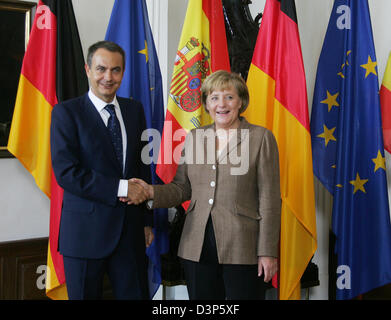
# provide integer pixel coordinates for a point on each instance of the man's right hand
(136, 193)
(147, 187)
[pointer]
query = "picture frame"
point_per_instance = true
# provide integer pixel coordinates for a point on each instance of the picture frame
(17, 19)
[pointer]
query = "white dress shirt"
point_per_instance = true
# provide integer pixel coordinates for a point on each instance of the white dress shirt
(100, 107)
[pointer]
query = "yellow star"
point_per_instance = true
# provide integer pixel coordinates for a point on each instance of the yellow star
(145, 51)
(379, 161)
(331, 100)
(358, 184)
(345, 64)
(347, 55)
(370, 67)
(327, 135)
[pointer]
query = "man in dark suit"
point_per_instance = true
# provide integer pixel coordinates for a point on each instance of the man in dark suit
(96, 148)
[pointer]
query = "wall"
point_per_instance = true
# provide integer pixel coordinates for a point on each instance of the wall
(24, 209)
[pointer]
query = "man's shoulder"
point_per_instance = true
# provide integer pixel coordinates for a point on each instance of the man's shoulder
(131, 108)
(128, 101)
(73, 102)
(69, 108)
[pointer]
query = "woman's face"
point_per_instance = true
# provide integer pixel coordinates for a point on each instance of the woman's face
(223, 106)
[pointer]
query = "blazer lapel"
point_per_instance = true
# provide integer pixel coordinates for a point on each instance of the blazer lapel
(207, 134)
(234, 141)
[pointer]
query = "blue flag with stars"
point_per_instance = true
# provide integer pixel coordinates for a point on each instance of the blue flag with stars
(129, 27)
(348, 153)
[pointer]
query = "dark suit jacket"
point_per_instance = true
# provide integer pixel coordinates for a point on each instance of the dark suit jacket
(85, 166)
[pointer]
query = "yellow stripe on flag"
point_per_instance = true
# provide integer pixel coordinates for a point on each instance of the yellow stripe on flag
(298, 225)
(29, 139)
(387, 75)
(54, 290)
(193, 46)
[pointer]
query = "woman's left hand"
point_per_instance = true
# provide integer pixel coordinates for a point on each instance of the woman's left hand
(267, 266)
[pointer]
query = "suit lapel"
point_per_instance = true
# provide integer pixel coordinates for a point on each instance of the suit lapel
(127, 118)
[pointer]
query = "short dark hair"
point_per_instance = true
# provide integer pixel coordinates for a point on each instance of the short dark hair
(108, 45)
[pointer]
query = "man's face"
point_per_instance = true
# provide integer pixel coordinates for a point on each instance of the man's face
(105, 74)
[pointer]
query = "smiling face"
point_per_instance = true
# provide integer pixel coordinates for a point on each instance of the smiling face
(105, 73)
(223, 106)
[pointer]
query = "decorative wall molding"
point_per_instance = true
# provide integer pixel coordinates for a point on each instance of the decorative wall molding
(23, 270)
(19, 262)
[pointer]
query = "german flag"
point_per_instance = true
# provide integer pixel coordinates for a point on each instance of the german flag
(385, 103)
(52, 71)
(202, 50)
(278, 101)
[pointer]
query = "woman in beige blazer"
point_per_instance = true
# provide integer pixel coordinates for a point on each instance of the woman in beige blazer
(230, 172)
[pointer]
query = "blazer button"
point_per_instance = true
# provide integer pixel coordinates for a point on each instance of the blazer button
(210, 201)
(212, 184)
(214, 167)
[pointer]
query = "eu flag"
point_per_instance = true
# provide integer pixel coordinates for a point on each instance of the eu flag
(348, 153)
(129, 27)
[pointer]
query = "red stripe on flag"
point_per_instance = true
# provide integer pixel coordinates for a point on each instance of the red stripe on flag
(55, 217)
(39, 63)
(39, 67)
(279, 66)
(167, 166)
(178, 79)
(218, 41)
(178, 93)
(385, 102)
(178, 86)
(213, 10)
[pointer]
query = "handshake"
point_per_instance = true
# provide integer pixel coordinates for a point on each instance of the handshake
(138, 192)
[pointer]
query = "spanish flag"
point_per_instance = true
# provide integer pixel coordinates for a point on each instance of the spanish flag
(278, 101)
(202, 50)
(52, 71)
(385, 103)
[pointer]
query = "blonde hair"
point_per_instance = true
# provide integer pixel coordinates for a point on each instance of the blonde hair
(221, 80)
